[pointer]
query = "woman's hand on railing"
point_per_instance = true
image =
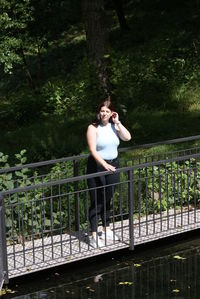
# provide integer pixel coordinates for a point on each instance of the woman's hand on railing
(109, 167)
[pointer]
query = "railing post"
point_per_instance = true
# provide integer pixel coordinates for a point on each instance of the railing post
(77, 214)
(131, 201)
(3, 248)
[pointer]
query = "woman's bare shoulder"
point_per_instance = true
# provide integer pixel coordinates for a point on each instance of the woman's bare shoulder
(92, 126)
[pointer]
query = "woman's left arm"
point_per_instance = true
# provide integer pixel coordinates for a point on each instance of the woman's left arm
(122, 132)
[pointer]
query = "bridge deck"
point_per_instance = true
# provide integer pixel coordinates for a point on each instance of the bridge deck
(40, 254)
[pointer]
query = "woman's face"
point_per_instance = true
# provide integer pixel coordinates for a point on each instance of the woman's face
(105, 113)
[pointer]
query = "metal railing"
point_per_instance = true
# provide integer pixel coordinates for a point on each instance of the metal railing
(75, 165)
(46, 221)
(67, 167)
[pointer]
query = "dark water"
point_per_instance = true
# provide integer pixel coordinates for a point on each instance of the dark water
(170, 270)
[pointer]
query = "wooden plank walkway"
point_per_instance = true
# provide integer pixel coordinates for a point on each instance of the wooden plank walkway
(53, 251)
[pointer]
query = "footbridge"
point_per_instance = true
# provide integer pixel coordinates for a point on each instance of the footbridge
(44, 206)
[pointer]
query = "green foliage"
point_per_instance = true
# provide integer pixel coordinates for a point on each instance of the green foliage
(14, 18)
(53, 17)
(41, 210)
(27, 27)
(160, 188)
(153, 83)
(9, 180)
(75, 95)
(153, 68)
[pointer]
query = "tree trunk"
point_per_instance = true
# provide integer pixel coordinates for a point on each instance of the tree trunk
(28, 74)
(39, 64)
(120, 14)
(96, 35)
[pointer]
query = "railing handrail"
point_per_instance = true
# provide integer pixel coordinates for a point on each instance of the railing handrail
(82, 156)
(99, 174)
(170, 141)
(43, 163)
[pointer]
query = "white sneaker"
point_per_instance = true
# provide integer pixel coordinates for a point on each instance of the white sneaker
(94, 244)
(109, 234)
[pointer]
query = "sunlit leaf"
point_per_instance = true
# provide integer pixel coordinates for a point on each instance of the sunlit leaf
(10, 291)
(2, 292)
(125, 283)
(179, 257)
(6, 291)
(175, 291)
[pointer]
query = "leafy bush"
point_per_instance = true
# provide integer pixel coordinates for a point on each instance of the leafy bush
(40, 210)
(160, 188)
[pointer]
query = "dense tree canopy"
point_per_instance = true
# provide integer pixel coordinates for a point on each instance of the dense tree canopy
(14, 36)
(28, 27)
(58, 59)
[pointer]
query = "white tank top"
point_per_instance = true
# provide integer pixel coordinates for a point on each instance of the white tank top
(107, 141)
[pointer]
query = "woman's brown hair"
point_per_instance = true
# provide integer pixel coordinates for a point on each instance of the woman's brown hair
(107, 103)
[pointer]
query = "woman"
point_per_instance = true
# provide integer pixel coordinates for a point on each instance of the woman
(103, 140)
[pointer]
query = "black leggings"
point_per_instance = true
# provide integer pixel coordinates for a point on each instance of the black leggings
(101, 195)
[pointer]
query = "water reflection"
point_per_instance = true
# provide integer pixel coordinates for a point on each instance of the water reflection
(176, 274)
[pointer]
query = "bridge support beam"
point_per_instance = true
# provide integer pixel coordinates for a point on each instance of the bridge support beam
(131, 202)
(3, 248)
